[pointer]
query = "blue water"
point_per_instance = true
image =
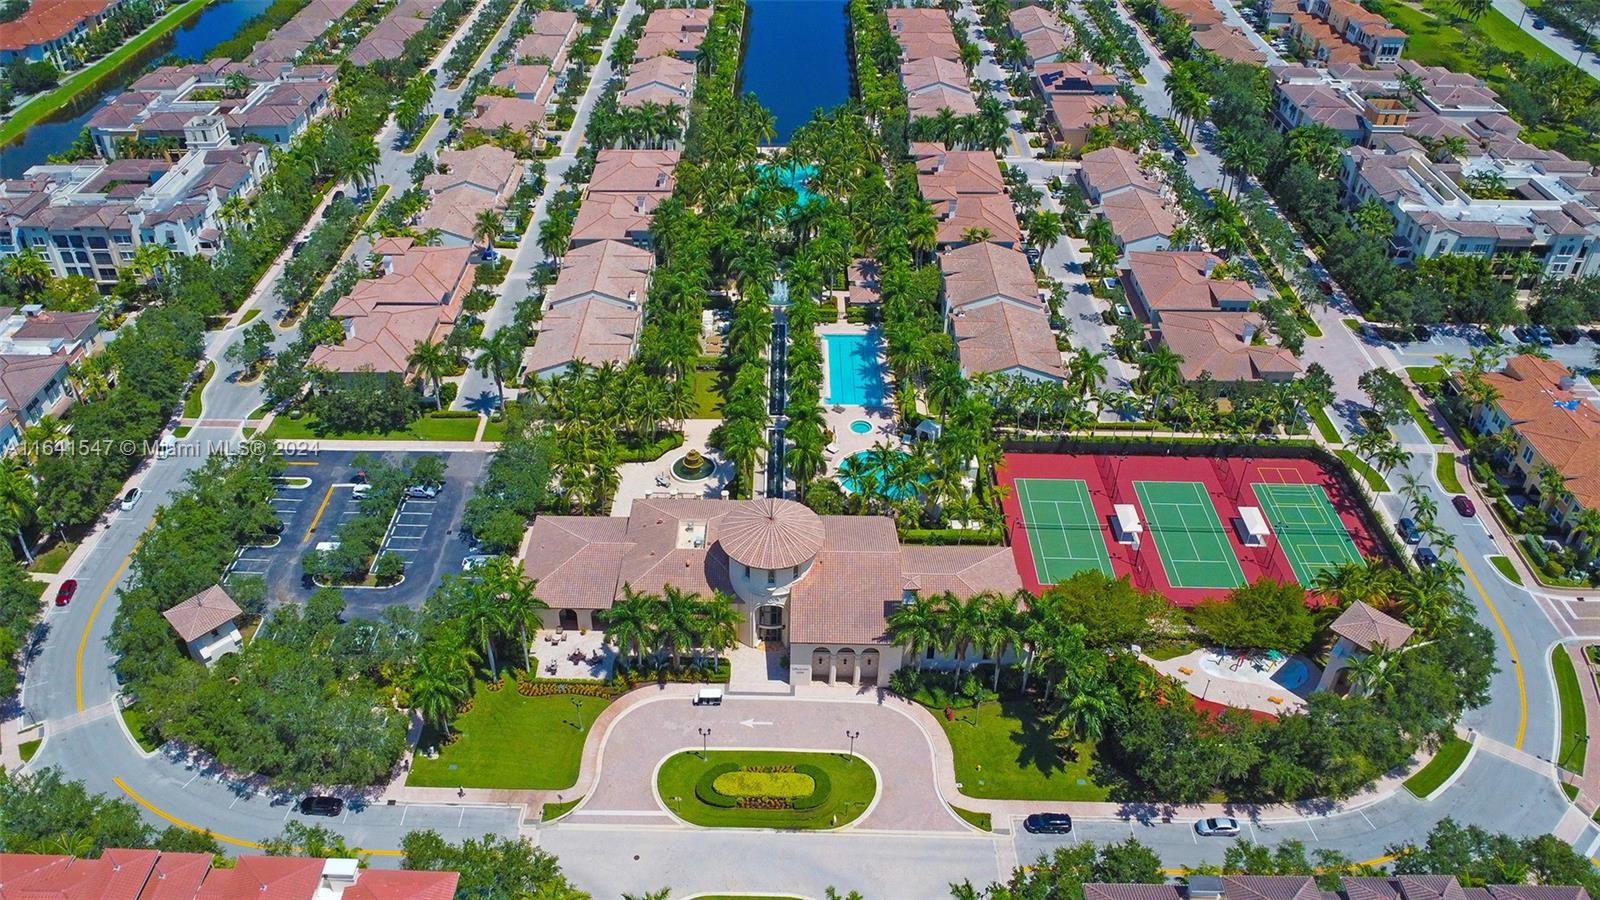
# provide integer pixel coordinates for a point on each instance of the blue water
(190, 41)
(901, 493)
(793, 177)
(1293, 674)
(861, 426)
(795, 59)
(855, 376)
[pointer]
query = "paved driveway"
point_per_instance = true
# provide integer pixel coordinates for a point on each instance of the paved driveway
(908, 798)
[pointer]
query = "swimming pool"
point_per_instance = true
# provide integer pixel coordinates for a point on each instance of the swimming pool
(861, 426)
(855, 377)
(1293, 674)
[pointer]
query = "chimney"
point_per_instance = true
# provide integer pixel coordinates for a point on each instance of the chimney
(1205, 887)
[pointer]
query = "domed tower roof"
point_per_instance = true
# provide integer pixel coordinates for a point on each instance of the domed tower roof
(771, 534)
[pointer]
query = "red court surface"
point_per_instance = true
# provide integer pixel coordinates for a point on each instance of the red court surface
(1227, 481)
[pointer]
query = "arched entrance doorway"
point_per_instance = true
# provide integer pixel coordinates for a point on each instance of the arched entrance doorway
(568, 619)
(597, 620)
(769, 624)
(821, 664)
(869, 666)
(844, 668)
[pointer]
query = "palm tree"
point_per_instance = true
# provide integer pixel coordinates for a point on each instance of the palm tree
(675, 619)
(919, 624)
(498, 358)
(431, 362)
(487, 228)
(1552, 487)
(29, 269)
(17, 500)
(1585, 524)
(503, 580)
(441, 680)
(1370, 674)
(481, 615)
(717, 623)
(629, 623)
(1161, 371)
(1093, 704)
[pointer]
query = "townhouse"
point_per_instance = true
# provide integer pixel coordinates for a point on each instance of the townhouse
(1551, 426)
(549, 38)
(88, 219)
(623, 193)
(36, 349)
(1136, 205)
(1342, 31)
(662, 80)
(289, 40)
(493, 112)
(280, 102)
(468, 183)
(1110, 171)
(415, 300)
(387, 39)
(967, 194)
(1229, 43)
(1227, 347)
(922, 33)
(673, 32)
(931, 70)
(1159, 283)
(526, 82)
(1077, 96)
(995, 315)
(120, 873)
(595, 310)
(48, 28)
(1041, 32)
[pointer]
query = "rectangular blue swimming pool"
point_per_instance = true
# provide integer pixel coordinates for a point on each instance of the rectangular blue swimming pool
(855, 376)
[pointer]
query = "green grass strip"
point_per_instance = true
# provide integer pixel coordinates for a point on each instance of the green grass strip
(1506, 568)
(1442, 766)
(27, 749)
(1444, 469)
(422, 132)
(557, 810)
(1370, 475)
(1574, 727)
(87, 78)
(979, 820)
(1420, 416)
(1421, 375)
(1325, 425)
(192, 404)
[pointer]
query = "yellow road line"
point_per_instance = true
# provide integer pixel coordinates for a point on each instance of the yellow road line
(190, 826)
(294, 462)
(83, 642)
(1516, 661)
(325, 498)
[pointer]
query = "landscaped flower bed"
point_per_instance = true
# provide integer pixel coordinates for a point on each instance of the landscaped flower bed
(766, 788)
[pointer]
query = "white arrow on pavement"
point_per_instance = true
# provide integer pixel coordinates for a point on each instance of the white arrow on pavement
(751, 723)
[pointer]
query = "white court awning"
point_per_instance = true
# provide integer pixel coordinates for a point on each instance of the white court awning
(1254, 525)
(1127, 518)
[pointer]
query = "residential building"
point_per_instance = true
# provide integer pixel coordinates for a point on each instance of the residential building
(966, 192)
(1359, 632)
(1229, 43)
(1304, 887)
(286, 42)
(1076, 96)
(207, 623)
(819, 587)
(1041, 32)
(526, 82)
(155, 875)
(387, 39)
(1110, 171)
(1553, 212)
(923, 33)
(623, 193)
(88, 219)
(1377, 40)
(415, 300)
(1277, 13)
(1227, 347)
(1198, 14)
(475, 180)
(662, 80)
(933, 84)
(995, 315)
(1373, 108)
(36, 349)
(594, 311)
(1551, 425)
(49, 27)
(492, 112)
(1140, 220)
(673, 32)
(172, 101)
(1162, 282)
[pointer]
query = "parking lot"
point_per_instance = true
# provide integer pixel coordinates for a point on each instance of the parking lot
(317, 494)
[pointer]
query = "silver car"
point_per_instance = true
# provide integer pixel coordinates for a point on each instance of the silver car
(1221, 826)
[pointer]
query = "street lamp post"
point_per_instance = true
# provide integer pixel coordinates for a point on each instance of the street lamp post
(852, 735)
(705, 739)
(577, 709)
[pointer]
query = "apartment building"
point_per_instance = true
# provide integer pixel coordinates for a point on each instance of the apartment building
(1552, 426)
(279, 104)
(36, 349)
(49, 27)
(1373, 106)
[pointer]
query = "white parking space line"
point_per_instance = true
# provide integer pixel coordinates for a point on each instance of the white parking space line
(1312, 830)
(1368, 821)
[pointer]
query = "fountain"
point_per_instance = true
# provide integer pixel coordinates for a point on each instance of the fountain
(693, 466)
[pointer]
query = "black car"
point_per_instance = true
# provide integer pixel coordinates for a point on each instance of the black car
(318, 805)
(1048, 823)
(1422, 332)
(1409, 531)
(1426, 558)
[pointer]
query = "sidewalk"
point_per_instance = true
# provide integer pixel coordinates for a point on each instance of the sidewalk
(1588, 784)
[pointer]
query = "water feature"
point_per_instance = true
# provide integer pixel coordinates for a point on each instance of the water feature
(190, 41)
(857, 467)
(795, 59)
(693, 466)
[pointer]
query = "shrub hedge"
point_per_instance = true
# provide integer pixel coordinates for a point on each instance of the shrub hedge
(824, 786)
(706, 791)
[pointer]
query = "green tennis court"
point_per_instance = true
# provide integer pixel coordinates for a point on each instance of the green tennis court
(1063, 531)
(1308, 529)
(1194, 549)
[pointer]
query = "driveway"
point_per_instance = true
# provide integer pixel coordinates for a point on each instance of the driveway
(908, 796)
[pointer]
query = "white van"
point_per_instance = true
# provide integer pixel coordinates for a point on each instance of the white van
(708, 696)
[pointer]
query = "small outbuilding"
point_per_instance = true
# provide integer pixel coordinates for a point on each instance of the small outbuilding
(1252, 527)
(208, 624)
(1361, 630)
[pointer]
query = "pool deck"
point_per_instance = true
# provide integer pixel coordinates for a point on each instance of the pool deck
(1206, 674)
(838, 417)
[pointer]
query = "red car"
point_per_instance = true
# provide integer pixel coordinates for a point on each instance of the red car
(1463, 505)
(65, 592)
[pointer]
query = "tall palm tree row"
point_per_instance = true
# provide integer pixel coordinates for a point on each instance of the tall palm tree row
(664, 628)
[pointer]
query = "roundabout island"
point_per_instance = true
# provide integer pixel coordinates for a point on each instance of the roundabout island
(782, 789)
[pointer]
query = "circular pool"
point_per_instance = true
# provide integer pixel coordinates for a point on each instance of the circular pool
(1293, 674)
(861, 426)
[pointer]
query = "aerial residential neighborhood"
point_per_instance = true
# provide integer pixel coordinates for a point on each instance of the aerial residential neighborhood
(800, 449)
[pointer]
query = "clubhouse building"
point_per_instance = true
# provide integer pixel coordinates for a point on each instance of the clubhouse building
(818, 587)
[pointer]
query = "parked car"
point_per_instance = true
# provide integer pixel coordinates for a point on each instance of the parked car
(1523, 333)
(130, 499)
(1221, 826)
(1325, 286)
(449, 112)
(1463, 505)
(1540, 335)
(360, 477)
(65, 593)
(1048, 823)
(1422, 332)
(361, 491)
(1408, 531)
(422, 492)
(321, 805)
(1538, 24)
(1426, 558)
(474, 561)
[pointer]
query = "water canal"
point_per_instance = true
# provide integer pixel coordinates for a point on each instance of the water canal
(796, 59)
(189, 42)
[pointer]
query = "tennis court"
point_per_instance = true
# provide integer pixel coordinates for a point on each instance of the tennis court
(1189, 538)
(1307, 527)
(1063, 530)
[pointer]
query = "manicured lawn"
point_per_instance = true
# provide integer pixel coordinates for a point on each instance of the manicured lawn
(494, 431)
(1370, 475)
(191, 403)
(1004, 752)
(557, 810)
(27, 749)
(1420, 416)
(1442, 766)
(511, 741)
(249, 316)
(1421, 375)
(133, 717)
(51, 561)
(1506, 568)
(84, 79)
(1574, 728)
(851, 789)
(1352, 324)
(1444, 469)
(707, 394)
(1325, 425)
(980, 820)
(1310, 326)
(428, 428)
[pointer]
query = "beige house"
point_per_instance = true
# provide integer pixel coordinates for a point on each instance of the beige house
(1227, 346)
(416, 300)
(816, 587)
(1163, 282)
(1552, 426)
(207, 624)
(594, 311)
(995, 315)
(966, 191)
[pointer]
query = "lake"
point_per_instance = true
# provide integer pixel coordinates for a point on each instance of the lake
(796, 59)
(190, 42)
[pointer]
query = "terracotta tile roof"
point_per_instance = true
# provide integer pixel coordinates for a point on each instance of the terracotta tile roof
(1270, 887)
(863, 281)
(615, 217)
(653, 45)
(946, 174)
(454, 211)
(633, 171)
(1027, 19)
(176, 876)
(264, 878)
(1200, 13)
(1182, 281)
(610, 270)
(549, 47)
(576, 559)
(1045, 44)
(1370, 887)
(660, 79)
(1139, 215)
(1537, 892)
(1367, 628)
(1112, 169)
(1004, 337)
(554, 21)
(1214, 341)
(1562, 426)
(675, 19)
(771, 534)
(917, 20)
(990, 212)
(492, 111)
(522, 79)
(589, 331)
(382, 884)
(1229, 43)
(52, 325)
(851, 587)
(486, 166)
(418, 299)
(1077, 112)
(1097, 891)
(202, 613)
(982, 272)
(47, 20)
(1431, 887)
(24, 375)
(930, 100)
